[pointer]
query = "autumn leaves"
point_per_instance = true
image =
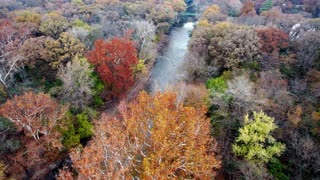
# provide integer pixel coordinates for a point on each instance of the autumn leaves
(153, 137)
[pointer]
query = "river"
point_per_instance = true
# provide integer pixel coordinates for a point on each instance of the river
(166, 71)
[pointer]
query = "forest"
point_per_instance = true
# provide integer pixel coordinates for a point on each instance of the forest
(239, 100)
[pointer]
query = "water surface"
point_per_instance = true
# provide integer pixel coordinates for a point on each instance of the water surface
(166, 72)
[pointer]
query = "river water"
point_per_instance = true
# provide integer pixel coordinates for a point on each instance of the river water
(167, 69)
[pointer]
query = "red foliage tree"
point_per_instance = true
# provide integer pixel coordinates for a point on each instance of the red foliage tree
(113, 61)
(273, 40)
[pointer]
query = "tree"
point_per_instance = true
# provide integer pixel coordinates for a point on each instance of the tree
(267, 5)
(34, 50)
(35, 114)
(274, 87)
(77, 82)
(273, 40)
(312, 6)
(53, 24)
(143, 35)
(255, 142)
(157, 138)
(113, 61)
(23, 16)
(177, 5)
(245, 96)
(11, 38)
(308, 51)
(248, 9)
(234, 46)
(75, 128)
(44, 51)
(303, 155)
(313, 82)
(2, 170)
(63, 50)
(162, 13)
(213, 14)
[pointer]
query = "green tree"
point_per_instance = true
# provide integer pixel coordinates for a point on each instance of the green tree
(217, 84)
(266, 6)
(74, 128)
(254, 142)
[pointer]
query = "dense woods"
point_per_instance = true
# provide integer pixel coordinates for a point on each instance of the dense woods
(75, 98)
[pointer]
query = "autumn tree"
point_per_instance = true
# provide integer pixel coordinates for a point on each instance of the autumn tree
(177, 5)
(273, 40)
(162, 13)
(2, 170)
(255, 142)
(157, 138)
(213, 14)
(23, 16)
(11, 38)
(46, 51)
(77, 82)
(113, 61)
(234, 46)
(63, 49)
(53, 24)
(308, 51)
(35, 114)
(35, 51)
(248, 9)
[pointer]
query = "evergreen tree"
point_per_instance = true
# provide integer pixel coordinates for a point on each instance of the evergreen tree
(266, 6)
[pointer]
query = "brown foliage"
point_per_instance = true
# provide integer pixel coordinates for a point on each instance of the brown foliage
(294, 115)
(273, 40)
(35, 114)
(248, 9)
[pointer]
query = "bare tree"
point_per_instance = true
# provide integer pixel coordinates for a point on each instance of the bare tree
(144, 34)
(251, 170)
(303, 154)
(77, 82)
(246, 97)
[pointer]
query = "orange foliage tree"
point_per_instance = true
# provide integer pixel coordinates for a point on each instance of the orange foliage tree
(273, 40)
(35, 114)
(114, 61)
(157, 138)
